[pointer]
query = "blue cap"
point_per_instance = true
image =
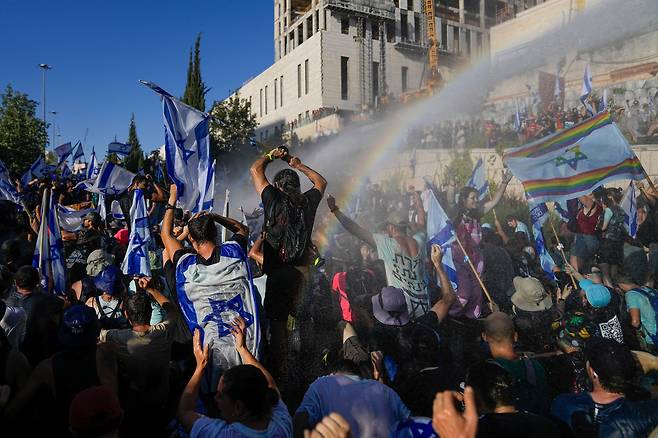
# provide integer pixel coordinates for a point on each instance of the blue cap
(106, 281)
(597, 294)
(79, 326)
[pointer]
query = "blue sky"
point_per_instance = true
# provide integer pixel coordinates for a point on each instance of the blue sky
(99, 51)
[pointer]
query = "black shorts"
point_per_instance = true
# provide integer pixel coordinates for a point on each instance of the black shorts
(611, 252)
(282, 292)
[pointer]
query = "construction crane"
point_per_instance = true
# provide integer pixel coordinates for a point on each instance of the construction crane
(433, 74)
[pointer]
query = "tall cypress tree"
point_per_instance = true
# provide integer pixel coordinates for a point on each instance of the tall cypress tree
(195, 89)
(135, 159)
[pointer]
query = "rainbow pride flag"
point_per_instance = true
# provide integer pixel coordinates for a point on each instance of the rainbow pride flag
(575, 161)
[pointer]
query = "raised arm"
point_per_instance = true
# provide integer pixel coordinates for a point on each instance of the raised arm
(230, 224)
(187, 404)
(318, 180)
(448, 297)
(351, 226)
(258, 178)
(238, 327)
(490, 205)
(170, 243)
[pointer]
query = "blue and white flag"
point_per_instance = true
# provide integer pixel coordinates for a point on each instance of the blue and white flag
(538, 217)
(518, 127)
(186, 149)
(478, 180)
(562, 211)
(49, 251)
(8, 191)
(102, 208)
(136, 261)
(115, 210)
(441, 232)
(38, 169)
(118, 148)
(63, 152)
(603, 104)
(209, 189)
(66, 171)
(92, 169)
(586, 90)
(70, 219)
(629, 205)
(211, 296)
(159, 174)
(79, 155)
(112, 179)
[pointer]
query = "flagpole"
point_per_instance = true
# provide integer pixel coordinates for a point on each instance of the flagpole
(564, 257)
(492, 304)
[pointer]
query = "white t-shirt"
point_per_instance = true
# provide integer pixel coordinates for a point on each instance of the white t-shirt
(280, 426)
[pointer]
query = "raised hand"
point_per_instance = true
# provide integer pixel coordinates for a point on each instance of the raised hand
(331, 202)
(450, 423)
(238, 327)
(201, 353)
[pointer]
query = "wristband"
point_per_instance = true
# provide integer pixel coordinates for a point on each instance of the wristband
(334, 210)
(269, 155)
(170, 207)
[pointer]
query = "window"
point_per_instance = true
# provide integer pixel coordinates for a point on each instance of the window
(455, 39)
(278, 10)
(410, 5)
(417, 29)
(260, 103)
(374, 29)
(344, 85)
(324, 19)
(317, 21)
(299, 80)
(308, 116)
(276, 89)
(345, 25)
(405, 71)
(404, 26)
(306, 77)
(309, 27)
(390, 32)
(467, 43)
(280, 54)
(265, 99)
(285, 46)
(281, 91)
(300, 34)
(444, 36)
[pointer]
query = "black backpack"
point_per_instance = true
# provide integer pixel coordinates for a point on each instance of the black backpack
(286, 228)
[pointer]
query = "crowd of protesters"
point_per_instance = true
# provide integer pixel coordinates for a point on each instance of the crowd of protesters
(365, 336)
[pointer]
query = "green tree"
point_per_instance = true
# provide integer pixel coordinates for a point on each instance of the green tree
(135, 159)
(460, 167)
(232, 124)
(22, 134)
(195, 89)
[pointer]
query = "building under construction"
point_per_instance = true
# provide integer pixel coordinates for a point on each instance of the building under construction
(334, 58)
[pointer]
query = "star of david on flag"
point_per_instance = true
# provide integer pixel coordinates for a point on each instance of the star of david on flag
(234, 305)
(136, 261)
(49, 250)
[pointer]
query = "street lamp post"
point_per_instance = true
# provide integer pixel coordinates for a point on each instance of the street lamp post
(44, 68)
(54, 113)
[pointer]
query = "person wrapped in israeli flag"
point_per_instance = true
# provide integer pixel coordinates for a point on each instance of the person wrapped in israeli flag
(137, 262)
(214, 285)
(538, 217)
(478, 180)
(441, 232)
(49, 251)
(187, 149)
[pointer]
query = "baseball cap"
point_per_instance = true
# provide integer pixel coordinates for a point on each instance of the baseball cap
(390, 306)
(79, 326)
(107, 279)
(597, 294)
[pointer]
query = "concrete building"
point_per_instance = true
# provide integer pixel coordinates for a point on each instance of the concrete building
(337, 58)
(627, 69)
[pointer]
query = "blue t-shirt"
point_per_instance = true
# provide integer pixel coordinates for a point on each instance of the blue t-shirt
(637, 300)
(280, 426)
(371, 408)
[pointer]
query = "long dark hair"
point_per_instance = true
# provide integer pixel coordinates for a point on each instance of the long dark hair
(461, 210)
(288, 182)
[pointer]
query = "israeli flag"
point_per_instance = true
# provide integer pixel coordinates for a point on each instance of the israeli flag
(49, 251)
(112, 179)
(478, 180)
(92, 171)
(115, 210)
(118, 148)
(586, 90)
(102, 209)
(440, 232)
(517, 119)
(538, 217)
(63, 152)
(186, 149)
(38, 169)
(211, 296)
(629, 205)
(562, 211)
(136, 261)
(66, 171)
(79, 155)
(603, 104)
(209, 190)
(8, 191)
(159, 174)
(70, 219)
